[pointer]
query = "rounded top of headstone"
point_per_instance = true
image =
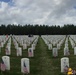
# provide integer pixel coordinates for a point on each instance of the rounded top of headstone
(25, 59)
(19, 47)
(5, 56)
(74, 47)
(64, 58)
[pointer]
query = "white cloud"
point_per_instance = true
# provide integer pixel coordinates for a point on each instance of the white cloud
(43, 19)
(51, 12)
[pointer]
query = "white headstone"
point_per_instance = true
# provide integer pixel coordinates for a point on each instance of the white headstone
(25, 66)
(66, 44)
(28, 43)
(7, 50)
(50, 46)
(55, 52)
(66, 51)
(2, 44)
(58, 46)
(64, 63)
(0, 49)
(16, 45)
(19, 51)
(73, 45)
(30, 52)
(74, 50)
(8, 44)
(33, 46)
(21, 42)
(54, 43)
(6, 60)
(24, 46)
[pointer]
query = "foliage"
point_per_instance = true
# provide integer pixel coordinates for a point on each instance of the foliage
(37, 29)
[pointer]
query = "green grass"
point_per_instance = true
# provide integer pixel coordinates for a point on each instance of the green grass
(43, 63)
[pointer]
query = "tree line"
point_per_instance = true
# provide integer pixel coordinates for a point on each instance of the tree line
(37, 29)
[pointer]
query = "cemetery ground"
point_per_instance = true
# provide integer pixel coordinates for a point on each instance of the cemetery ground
(43, 63)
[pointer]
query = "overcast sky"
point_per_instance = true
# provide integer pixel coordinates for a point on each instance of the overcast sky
(50, 12)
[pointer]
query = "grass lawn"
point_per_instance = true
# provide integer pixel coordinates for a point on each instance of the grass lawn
(42, 63)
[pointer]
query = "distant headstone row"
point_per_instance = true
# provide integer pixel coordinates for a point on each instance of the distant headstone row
(24, 41)
(54, 43)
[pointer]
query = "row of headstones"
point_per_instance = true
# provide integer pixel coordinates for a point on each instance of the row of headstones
(73, 37)
(55, 49)
(18, 40)
(73, 40)
(22, 40)
(56, 40)
(8, 47)
(53, 39)
(66, 51)
(66, 48)
(30, 50)
(58, 43)
(5, 64)
(25, 64)
(19, 49)
(25, 40)
(3, 40)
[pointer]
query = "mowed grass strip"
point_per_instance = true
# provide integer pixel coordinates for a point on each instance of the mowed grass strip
(43, 63)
